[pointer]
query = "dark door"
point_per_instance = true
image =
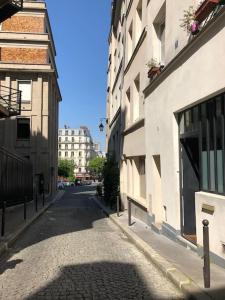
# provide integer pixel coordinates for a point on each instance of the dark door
(190, 185)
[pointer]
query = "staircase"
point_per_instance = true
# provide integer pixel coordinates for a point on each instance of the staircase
(10, 102)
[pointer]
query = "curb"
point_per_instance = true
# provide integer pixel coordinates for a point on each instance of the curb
(11, 238)
(181, 280)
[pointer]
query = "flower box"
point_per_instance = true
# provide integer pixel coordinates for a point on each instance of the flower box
(205, 9)
(153, 72)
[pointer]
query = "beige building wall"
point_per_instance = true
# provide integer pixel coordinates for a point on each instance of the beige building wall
(27, 56)
(186, 81)
(150, 149)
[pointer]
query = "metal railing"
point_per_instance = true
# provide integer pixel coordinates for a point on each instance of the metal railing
(213, 13)
(16, 178)
(9, 7)
(10, 101)
(17, 3)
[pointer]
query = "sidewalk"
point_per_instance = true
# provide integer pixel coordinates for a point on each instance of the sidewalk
(179, 258)
(14, 219)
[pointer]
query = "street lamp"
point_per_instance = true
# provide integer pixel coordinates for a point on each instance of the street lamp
(101, 126)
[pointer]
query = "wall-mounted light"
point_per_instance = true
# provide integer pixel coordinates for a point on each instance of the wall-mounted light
(101, 126)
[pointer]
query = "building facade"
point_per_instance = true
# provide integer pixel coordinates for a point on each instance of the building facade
(77, 145)
(172, 125)
(27, 63)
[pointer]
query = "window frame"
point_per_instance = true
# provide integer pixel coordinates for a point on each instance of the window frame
(31, 89)
(17, 124)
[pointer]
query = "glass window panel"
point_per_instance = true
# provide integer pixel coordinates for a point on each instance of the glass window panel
(25, 88)
(218, 107)
(219, 154)
(220, 171)
(204, 157)
(212, 170)
(195, 118)
(182, 123)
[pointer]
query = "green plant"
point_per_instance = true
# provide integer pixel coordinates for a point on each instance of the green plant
(188, 18)
(66, 168)
(153, 63)
(96, 166)
(111, 177)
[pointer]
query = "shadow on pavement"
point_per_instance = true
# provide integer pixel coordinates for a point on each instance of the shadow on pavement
(10, 265)
(103, 280)
(75, 211)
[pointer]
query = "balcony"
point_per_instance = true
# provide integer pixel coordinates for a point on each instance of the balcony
(10, 102)
(9, 7)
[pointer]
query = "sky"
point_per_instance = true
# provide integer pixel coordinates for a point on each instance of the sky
(80, 31)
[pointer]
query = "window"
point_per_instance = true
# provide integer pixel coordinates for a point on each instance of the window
(138, 23)
(136, 98)
(66, 146)
(60, 132)
(23, 129)
(66, 132)
(60, 146)
(159, 36)
(80, 153)
(25, 88)
(142, 177)
(72, 146)
(72, 139)
(72, 154)
(72, 132)
(60, 153)
(66, 154)
(60, 139)
(79, 170)
(207, 121)
(130, 42)
(127, 109)
(66, 139)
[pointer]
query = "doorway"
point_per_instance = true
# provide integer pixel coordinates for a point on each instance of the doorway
(190, 184)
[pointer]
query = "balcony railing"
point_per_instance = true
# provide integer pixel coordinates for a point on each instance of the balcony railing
(16, 178)
(9, 7)
(10, 102)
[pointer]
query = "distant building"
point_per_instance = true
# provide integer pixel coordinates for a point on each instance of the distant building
(77, 145)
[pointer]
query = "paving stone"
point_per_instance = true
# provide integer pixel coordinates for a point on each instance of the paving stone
(81, 255)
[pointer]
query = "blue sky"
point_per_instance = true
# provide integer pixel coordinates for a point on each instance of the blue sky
(80, 30)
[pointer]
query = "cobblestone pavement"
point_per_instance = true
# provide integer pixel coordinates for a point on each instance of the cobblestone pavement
(74, 252)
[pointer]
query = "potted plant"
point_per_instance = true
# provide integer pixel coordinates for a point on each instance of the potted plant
(188, 22)
(155, 68)
(205, 8)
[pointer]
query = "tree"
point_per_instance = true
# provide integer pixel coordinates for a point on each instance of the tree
(111, 176)
(96, 166)
(66, 168)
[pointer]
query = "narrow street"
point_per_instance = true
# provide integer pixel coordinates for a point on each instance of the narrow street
(74, 252)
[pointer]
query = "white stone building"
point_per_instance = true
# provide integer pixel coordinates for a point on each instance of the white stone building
(77, 145)
(171, 135)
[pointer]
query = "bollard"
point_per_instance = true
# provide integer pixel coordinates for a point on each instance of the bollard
(206, 268)
(25, 208)
(3, 218)
(129, 212)
(118, 206)
(43, 199)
